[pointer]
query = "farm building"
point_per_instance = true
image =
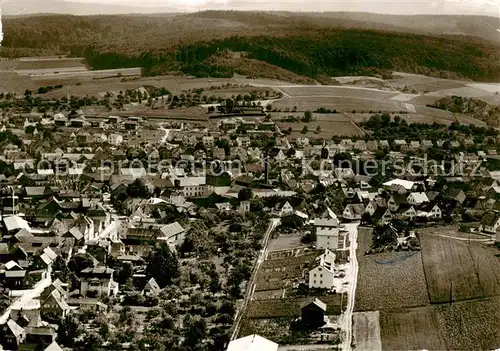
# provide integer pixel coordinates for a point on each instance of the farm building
(252, 343)
(313, 312)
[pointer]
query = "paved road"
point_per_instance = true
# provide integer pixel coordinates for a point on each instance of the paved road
(250, 285)
(352, 273)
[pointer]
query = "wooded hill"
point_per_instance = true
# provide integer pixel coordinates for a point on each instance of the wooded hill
(203, 44)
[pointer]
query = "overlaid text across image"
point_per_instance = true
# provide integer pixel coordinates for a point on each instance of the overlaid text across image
(249, 175)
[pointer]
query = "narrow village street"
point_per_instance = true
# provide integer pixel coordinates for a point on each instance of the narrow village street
(352, 274)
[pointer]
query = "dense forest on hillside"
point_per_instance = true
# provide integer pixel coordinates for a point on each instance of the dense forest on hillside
(319, 52)
(203, 44)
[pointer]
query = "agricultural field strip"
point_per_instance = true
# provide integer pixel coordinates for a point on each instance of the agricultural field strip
(453, 265)
(367, 330)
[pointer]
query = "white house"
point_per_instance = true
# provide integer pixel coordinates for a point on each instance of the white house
(430, 211)
(287, 209)
(490, 222)
(115, 139)
(353, 212)
(327, 233)
(417, 198)
(190, 186)
(208, 141)
(173, 234)
(322, 275)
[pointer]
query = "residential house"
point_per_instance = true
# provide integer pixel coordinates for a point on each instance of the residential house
(353, 212)
(417, 198)
(14, 276)
(208, 141)
(98, 281)
(286, 210)
(173, 234)
(243, 142)
(11, 151)
(399, 185)
(12, 335)
(430, 210)
(322, 275)
(400, 144)
(219, 153)
(406, 211)
(490, 222)
(360, 145)
(414, 145)
(395, 201)
(151, 288)
(372, 145)
(54, 303)
(455, 195)
(383, 144)
(327, 233)
(382, 215)
(115, 139)
(302, 141)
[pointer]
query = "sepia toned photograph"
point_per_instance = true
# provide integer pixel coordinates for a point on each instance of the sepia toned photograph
(249, 175)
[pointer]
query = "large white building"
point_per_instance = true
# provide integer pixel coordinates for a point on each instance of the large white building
(327, 233)
(190, 186)
(322, 275)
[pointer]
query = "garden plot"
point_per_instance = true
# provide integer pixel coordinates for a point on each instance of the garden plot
(290, 307)
(275, 274)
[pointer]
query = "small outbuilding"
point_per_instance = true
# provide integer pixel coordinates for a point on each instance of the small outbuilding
(313, 312)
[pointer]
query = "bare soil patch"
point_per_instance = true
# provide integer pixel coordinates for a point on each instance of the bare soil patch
(367, 331)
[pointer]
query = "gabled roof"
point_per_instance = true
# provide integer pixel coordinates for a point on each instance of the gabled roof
(53, 347)
(490, 218)
(379, 212)
(420, 197)
(399, 199)
(404, 183)
(152, 285)
(15, 328)
(314, 301)
(24, 236)
(76, 233)
(12, 264)
(252, 343)
(171, 229)
(15, 222)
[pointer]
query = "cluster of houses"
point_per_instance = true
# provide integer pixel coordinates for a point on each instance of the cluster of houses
(66, 208)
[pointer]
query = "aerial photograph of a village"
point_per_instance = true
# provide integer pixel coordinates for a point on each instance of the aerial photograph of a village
(249, 175)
